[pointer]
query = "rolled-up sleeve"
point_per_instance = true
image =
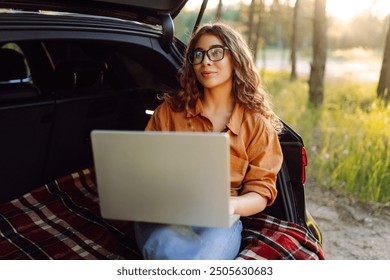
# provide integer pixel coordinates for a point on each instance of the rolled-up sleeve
(265, 160)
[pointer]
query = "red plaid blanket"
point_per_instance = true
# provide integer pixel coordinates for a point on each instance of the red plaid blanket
(61, 220)
(265, 237)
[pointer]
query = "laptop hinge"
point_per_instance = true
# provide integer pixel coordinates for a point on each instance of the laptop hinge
(168, 30)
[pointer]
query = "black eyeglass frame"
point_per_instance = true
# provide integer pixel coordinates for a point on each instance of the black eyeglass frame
(224, 48)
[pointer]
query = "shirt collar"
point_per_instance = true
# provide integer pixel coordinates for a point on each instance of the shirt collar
(234, 122)
(194, 111)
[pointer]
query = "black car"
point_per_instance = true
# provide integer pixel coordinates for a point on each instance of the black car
(69, 67)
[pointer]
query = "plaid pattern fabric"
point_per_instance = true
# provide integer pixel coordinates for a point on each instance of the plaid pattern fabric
(266, 237)
(61, 220)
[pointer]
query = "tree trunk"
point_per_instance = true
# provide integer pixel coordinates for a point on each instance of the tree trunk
(317, 72)
(258, 27)
(384, 79)
(294, 41)
(218, 15)
(252, 8)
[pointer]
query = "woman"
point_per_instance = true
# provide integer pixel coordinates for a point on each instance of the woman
(220, 93)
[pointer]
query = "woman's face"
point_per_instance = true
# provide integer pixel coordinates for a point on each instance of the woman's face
(213, 74)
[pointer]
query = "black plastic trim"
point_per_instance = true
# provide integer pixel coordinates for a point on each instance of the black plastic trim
(168, 31)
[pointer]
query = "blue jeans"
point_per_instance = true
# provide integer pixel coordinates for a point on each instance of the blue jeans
(174, 242)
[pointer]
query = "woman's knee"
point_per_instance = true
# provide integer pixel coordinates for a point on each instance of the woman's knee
(221, 243)
(158, 241)
(170, 242)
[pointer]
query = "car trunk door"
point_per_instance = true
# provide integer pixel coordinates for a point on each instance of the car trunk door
(154, 12)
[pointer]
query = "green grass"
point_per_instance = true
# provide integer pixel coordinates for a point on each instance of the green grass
(347, 139)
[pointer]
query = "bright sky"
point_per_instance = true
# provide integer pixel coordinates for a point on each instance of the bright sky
(343, 9)
(346, 9)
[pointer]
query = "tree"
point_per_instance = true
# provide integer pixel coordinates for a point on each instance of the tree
(218, 14)
(252, 9)
(317, 71)
(276, 15)
(384, 79)
(294, 41)
(255, 25)
(258, 27)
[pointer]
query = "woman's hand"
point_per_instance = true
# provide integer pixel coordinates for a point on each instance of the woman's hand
(247, 204)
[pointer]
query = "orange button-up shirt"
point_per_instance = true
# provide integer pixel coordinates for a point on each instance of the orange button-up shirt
(255, 152)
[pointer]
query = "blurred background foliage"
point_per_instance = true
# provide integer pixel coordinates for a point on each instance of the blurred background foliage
(364, 29)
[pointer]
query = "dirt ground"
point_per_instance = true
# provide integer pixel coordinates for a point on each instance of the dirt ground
(351, 230)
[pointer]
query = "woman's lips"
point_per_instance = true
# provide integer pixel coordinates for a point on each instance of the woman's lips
(207, 73)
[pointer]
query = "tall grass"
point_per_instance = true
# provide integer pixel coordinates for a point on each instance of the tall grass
(347, 139)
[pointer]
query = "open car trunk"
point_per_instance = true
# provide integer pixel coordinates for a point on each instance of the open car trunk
(116, 88)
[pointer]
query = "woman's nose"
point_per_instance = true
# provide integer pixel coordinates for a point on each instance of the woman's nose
(206, 59)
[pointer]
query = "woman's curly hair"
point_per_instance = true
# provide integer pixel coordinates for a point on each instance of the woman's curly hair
(247, 89)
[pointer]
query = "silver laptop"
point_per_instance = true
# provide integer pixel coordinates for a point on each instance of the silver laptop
(163, 177)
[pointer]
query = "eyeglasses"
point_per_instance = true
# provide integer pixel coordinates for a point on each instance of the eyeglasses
(215, 53)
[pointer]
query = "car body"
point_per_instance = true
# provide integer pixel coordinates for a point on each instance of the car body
(97, 65)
